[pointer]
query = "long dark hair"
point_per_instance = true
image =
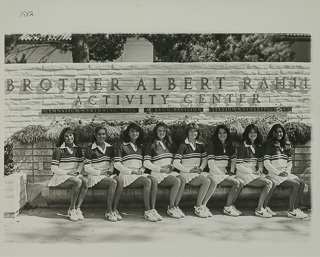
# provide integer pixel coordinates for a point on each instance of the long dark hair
(284, 141)
(270, 137)
(93, 137)
(245, 135)
(167, 139)
(216, 141)
(126, 136)
(61, 136)
(192, 126)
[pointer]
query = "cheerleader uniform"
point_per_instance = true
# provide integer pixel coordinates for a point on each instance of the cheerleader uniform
(277, 161)
(98, 162)
(248, 158)
(63, 161)
(189, 156)
(157, 155)
(128, 158)
(218, 160)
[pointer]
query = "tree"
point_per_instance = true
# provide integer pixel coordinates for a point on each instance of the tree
(80, 48)
(220, 47)
(105, 47)
(84, 47)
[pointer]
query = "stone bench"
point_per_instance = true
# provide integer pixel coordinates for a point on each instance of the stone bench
(98, 197)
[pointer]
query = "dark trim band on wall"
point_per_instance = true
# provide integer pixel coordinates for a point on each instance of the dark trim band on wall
(91, 110)
(178, 109)
(249, 109)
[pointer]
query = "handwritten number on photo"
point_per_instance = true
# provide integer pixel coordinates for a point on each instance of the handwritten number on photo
(26, 14)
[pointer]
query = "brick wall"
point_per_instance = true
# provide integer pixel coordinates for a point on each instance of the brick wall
(195, 84)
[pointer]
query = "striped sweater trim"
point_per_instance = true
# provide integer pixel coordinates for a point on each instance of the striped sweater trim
(220, 157)
(162, 156)
(248, 160)
(191, 155)
(98, 160)
(66, 160)
(277, 157)
(128, 158)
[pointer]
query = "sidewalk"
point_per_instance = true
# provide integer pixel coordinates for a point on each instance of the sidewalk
(44, 226)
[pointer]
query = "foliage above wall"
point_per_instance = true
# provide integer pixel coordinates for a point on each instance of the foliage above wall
(298, 132)
(220, 47)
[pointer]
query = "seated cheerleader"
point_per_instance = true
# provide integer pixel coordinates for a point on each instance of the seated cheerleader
(278, 162)
(158, 158)
(99, 167)
(220, 153)
(250, 168)
(190, 159)
(128, 161)
(67, 165)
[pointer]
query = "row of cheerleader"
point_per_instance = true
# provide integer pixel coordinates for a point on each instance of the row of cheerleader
(133, 163)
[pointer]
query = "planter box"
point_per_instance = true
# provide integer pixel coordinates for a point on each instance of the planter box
(15, 194)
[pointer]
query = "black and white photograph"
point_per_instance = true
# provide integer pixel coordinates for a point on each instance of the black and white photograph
(160, 129)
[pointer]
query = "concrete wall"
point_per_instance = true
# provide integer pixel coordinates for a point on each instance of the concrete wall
(29, 88)
(136, 50)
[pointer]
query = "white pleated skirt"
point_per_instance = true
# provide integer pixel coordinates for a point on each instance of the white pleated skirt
(280, 179)
(93, 180)
(57, 180)
(161, 176)
(205, 174)
(219, 178)
(247, 178)
(189, 176)
(129, 179)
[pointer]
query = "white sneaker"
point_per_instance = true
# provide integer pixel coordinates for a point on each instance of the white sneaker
(80, 214)
(301, 213)
(149, 215)
(117, 215)
(73, 215)
(200, 212)
(263, 213)
(233, 207)
(295, 214)
(207, 211)
(173, 213)
(110, 216)
(270, 211)
(157, 215)
(228, 210)
(180, 212)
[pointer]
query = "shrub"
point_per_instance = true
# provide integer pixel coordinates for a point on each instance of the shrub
(31, 134)
(298, 132)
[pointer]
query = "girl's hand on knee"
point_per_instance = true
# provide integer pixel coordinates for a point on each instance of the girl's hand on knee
(194, 170)
(257, 172)
(72, 173)
(163, 170)
(137, 172)
(199, 170)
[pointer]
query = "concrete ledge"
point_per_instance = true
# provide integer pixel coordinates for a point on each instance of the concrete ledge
(15, 194)
(98, 197)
